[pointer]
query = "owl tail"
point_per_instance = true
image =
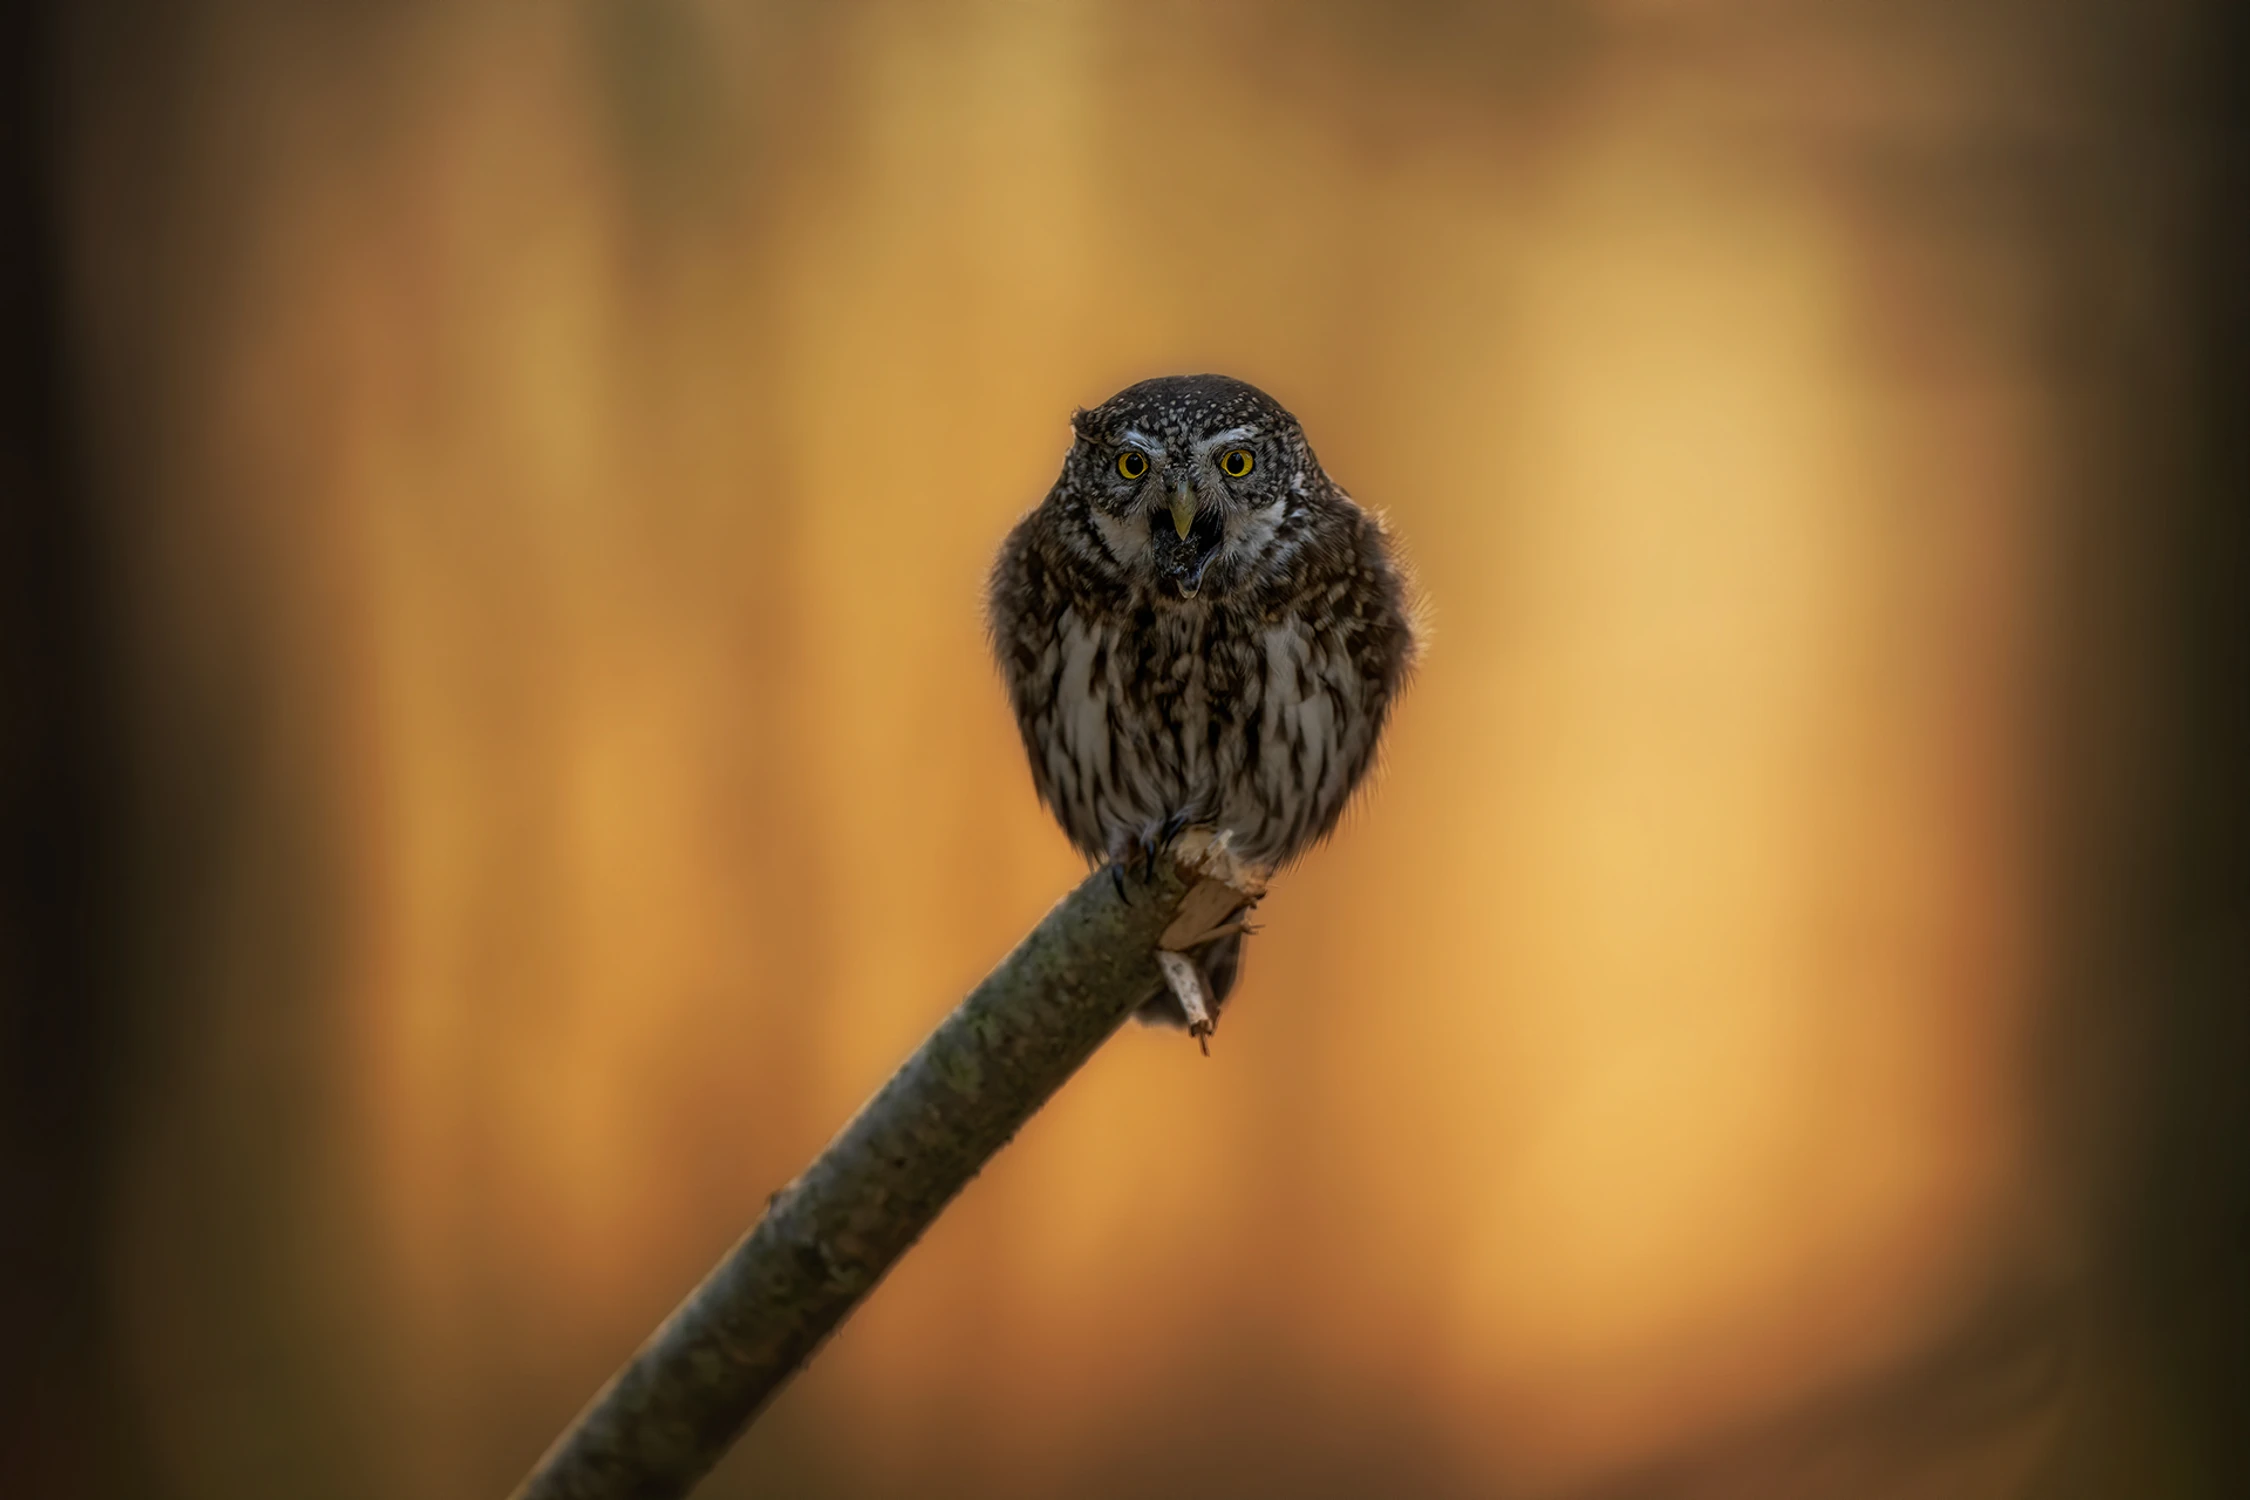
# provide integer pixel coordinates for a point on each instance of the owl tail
(1217, 964)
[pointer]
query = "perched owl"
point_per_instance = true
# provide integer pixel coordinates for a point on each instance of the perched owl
(1198, 629)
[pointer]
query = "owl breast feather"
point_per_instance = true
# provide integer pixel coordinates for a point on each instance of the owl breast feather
(1196, 717)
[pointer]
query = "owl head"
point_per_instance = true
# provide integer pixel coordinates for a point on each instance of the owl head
(1187, 485)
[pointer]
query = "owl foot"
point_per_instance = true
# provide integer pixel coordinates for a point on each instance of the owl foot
(1142, 850)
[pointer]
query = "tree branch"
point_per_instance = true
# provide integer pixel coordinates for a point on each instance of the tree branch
(827, 1238)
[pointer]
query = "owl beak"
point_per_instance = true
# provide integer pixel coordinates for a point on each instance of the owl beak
(1183, 510)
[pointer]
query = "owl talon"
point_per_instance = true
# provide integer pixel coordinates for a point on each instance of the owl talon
(1201, 1031)
(1142, 851)
(1141, 854)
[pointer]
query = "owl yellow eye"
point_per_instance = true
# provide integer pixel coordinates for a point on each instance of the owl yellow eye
(1132, 465)
(1237, 462)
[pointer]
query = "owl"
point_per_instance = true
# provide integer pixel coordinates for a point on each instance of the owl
(1198, 630)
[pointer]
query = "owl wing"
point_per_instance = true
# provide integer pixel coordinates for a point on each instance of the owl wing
(1022, 607)
(1026, 605)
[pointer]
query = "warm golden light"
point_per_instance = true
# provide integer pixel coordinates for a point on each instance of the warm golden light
(1643, 1059)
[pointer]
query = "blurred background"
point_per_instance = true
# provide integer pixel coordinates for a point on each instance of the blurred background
(498, 755)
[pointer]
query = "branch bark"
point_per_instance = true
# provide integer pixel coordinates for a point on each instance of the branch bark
(828, 1237)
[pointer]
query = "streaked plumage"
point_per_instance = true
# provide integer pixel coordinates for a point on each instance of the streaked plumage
(1187, 645)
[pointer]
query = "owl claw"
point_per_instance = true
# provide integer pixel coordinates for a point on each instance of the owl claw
(1140, 853)
(1201, 1031)
(1144, 849)
(1117, 879)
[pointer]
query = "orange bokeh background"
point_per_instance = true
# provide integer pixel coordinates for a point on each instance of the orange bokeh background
(555, 453)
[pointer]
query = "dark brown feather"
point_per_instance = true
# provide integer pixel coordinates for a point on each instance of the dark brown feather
(1190, 648)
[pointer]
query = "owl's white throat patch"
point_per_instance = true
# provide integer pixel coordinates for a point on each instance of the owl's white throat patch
(1123, 537)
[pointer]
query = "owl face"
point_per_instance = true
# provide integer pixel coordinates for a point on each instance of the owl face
(1186, 482)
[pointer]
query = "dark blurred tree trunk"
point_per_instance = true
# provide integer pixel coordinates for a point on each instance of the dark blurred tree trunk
(2148, 755)
(2161, 920)
(60, 1433)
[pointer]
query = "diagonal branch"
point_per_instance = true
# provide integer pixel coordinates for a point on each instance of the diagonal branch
(827, 1238)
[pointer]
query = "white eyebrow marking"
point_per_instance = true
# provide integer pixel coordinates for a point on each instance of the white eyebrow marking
(1140, 439)
(1231, 435)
